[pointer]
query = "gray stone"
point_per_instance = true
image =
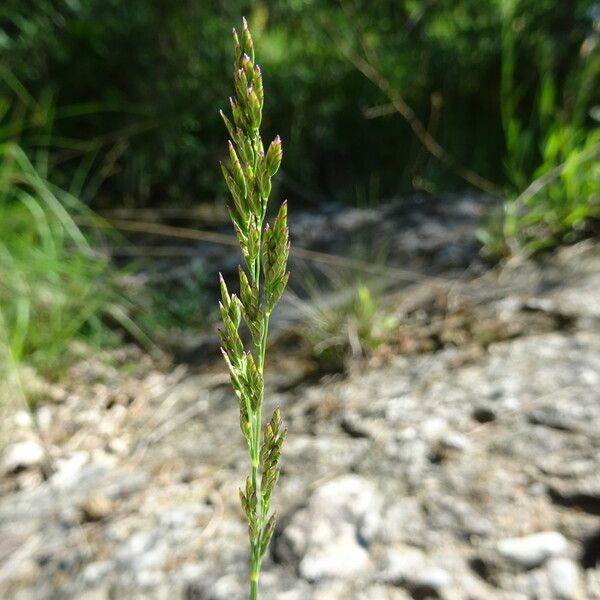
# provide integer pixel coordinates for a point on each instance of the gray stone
(325, 535)
(182, 516)
(338, 556)
(402, 563)
(143, 550)
(94, 573)
(402, 521)
(529, 585)
(410, 568)
(532, 550)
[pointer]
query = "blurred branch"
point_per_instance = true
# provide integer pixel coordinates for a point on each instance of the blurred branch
(231, 240)
(436, 103)
(334, 260)
(368, 65)
(154, 252)
(381, 110)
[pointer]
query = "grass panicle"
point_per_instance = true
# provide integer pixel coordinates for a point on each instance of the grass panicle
(265, 249)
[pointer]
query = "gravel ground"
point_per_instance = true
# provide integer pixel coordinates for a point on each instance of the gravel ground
(467, 471)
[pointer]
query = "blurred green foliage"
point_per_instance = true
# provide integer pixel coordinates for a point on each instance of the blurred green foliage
(352, 329)
(173, 304)
(56, 283)
(343, 317)
(551, 131)
(128, 94)
(148, 76)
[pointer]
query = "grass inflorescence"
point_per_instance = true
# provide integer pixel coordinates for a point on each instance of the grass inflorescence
(265, 249)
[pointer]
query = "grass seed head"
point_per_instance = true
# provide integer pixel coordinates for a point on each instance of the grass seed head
(265, 250)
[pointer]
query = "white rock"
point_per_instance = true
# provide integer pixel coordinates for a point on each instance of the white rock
(340, 558)
(68, 468)
(532, 550)
(44, 418)
(431, 578)
(149, 579)
(455, 441)
(117, 446)
(23, 455)
(191, 572)
(433, 428)
(325, 537)
(564, 577)
(22, 418)
(100, 593)
(407, 566)
(592, 577)
(95, 572)
(227, 586)
(332, 590)
(350, 496)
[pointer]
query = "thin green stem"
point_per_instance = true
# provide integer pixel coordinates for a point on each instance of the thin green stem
(260, 348)
(255, 451)
(263, 343)
(254, 585)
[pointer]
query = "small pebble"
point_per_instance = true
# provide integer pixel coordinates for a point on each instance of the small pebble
(532, 550)
(96, 507)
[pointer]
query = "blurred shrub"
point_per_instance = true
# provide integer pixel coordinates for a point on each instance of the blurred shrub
(348, 321)
(54, 286)
(553, 145)
(142, 76)
(155, 70)
(505, 86)
(174, 302)
(560, 206)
